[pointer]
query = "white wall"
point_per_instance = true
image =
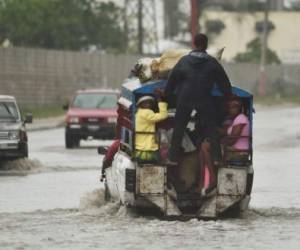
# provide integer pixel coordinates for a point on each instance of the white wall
(240, 29)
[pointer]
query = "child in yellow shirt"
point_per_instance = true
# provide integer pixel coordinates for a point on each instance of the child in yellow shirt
(146, 146)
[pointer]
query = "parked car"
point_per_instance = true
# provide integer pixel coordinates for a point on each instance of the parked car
(92, 113)
(13, 136)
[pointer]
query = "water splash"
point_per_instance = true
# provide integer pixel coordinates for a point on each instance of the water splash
(20, 166)
(94, 204)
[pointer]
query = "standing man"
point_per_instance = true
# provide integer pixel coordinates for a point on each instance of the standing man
(191, 82)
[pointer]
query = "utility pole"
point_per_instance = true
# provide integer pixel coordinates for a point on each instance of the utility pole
(171, 21)
(264, 48)
(194, 19)
(154, 17)
(140, 27)
(126, 30)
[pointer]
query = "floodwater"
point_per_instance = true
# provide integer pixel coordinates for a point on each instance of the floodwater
(55, 199)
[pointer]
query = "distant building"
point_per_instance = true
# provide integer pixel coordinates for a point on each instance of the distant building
(276, 5)
(240, 30)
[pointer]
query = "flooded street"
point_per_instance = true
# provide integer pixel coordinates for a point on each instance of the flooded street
(55, 200)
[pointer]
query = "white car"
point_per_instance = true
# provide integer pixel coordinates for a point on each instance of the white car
(13, 136)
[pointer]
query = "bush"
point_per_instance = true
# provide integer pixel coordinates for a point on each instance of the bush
(214, 26)
(253, 54)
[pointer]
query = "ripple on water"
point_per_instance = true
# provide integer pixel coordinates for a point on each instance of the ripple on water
(277, 212)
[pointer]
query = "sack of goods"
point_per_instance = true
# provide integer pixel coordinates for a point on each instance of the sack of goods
(158, 68)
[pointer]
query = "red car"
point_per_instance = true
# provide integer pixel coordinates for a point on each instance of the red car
(92, 113)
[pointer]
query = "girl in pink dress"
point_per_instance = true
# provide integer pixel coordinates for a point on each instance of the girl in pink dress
(236, 139)
(236, 131)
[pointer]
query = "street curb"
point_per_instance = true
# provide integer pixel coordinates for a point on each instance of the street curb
(41, 128)
(46, 124)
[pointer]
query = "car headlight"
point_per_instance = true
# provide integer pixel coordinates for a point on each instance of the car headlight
(112, 119)
(13, 135)
(74, 119)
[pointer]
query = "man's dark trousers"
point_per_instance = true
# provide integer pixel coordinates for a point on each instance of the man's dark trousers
(205, 128)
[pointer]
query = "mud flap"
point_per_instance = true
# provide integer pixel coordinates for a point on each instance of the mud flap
(157, 200)
(151, 185)
(208, 209)
(245, 203)
(224, 202)
(171, 208)
(165, 203)
(232, 182)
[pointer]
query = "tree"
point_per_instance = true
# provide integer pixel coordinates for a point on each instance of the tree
(295, 5)
(214, 28)
(56, 24)
(171, 11)
(253, 54)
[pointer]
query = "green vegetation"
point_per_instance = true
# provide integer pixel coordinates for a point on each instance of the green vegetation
(57, 24)
(214, 26)
(253, 54)
(259, 26)
(43, 112)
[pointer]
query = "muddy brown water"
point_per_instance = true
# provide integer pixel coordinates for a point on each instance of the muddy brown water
(57, 202)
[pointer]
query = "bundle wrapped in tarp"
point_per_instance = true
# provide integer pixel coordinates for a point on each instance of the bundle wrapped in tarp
(158, 68)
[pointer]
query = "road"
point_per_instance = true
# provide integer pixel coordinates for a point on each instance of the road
(57, 203)
(59, 176)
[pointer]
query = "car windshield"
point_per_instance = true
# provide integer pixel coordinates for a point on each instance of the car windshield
(8, 110)
(95, 101)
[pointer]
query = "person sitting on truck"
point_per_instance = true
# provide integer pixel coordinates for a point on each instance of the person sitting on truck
(236, 132)
(207, 181)
(146, 146)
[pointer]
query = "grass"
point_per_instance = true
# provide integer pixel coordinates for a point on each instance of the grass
(43, 112)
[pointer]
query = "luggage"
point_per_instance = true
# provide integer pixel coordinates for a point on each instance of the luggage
(158, 68)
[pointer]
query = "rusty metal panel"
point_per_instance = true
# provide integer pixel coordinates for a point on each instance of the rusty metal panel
(151, 179)
(232, 181)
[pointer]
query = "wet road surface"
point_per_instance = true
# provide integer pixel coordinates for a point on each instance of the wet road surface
(57, 203)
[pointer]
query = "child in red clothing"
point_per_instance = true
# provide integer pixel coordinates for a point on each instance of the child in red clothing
(109, 157)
